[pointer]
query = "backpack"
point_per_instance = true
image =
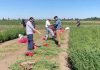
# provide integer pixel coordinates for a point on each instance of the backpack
(24, 21)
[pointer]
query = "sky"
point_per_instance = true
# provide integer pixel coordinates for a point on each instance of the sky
(49, 8)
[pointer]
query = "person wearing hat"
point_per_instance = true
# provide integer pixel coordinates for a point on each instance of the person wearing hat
(57, 26)
(30, 29)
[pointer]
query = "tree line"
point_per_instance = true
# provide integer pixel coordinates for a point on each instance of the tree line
(65, 19)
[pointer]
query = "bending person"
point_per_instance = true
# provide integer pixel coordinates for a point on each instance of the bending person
(48, 29)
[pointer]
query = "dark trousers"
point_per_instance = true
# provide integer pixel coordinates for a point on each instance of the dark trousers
(30, 42)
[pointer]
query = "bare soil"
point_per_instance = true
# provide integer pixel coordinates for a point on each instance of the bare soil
(63, 56)
(13, 56)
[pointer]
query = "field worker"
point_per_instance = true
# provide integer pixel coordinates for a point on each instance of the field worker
(57, 26)
(48, 29)
(78, 23)
(30, 32)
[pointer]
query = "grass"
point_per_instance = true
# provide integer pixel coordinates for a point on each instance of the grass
(10, 22)
(51, 50)
(85, 48)
(42, 64)
(46, 65)
(10, 29)
(9, 48)
(45, 57)
(10, 34)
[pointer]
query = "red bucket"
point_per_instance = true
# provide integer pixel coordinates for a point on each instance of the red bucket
(29, 54)
(23, 40)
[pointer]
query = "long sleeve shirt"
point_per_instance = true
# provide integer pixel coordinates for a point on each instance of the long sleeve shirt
(58, 24)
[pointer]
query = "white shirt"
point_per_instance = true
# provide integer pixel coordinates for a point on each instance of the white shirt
(29, 28)
(47, 23)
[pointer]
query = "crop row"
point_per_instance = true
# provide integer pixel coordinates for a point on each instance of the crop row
(10, 34)
(85, 48)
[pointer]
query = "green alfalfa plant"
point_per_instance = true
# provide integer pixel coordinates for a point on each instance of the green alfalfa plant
(11, 34)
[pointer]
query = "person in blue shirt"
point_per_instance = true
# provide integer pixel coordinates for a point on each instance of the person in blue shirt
(57, 26)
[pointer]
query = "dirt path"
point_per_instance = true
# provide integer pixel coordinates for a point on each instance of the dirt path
(63, 56)
(12, 56)
(6, 62)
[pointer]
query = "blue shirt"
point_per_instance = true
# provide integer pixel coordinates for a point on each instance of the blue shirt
(58, 24)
